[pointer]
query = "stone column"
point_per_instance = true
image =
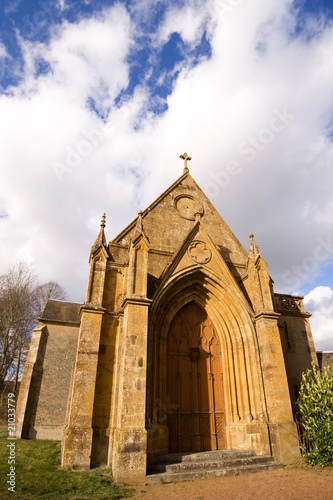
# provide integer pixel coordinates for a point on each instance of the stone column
(129, 447)
(78, 434)
(130, 437)
(282, 428)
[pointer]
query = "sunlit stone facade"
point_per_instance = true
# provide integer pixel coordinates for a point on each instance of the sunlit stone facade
(181, 345)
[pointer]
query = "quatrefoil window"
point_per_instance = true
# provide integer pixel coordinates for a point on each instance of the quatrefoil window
(199, 252)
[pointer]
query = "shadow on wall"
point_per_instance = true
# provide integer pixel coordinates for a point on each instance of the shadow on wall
(325, 357)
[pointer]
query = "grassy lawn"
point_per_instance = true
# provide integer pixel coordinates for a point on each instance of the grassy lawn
(37, 474)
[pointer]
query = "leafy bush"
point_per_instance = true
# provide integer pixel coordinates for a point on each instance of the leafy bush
(316, 410)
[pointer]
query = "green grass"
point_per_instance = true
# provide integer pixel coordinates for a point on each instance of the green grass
(38, 475)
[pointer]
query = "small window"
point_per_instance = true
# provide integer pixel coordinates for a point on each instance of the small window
(287, 336)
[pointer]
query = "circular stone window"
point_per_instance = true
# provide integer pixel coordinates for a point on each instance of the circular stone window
(187, 206)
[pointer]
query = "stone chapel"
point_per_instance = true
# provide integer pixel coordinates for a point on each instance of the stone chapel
(181, 345)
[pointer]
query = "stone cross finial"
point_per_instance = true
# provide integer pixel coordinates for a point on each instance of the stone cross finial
(103, 221)
(186, 158)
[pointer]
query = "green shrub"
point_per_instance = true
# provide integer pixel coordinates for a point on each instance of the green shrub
(316, 411)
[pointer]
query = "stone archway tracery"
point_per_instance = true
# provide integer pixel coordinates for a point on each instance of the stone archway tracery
(242, 382)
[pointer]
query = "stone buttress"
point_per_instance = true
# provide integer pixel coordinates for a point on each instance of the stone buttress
(128, 446)
(78, 437)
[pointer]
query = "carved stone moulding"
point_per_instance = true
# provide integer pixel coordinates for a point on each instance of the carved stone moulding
(187, 206)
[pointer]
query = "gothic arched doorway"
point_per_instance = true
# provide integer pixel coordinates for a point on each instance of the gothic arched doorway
(195, 403)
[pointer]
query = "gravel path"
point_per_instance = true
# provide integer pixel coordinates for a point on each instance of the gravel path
(282, 484)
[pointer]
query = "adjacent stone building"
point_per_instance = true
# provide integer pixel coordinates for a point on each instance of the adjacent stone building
(181, 345)
(325, 358)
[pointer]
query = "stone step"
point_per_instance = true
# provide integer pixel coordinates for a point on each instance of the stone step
(190, 475)
(189, 466)
(203, 456)
(209, 464)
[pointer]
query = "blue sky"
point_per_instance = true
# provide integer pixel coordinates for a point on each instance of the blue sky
(35, 21)
(99, 98)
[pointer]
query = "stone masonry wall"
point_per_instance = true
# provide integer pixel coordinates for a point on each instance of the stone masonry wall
(48, 413)
(297, 342)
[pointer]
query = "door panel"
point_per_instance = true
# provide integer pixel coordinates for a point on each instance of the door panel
(195, 403)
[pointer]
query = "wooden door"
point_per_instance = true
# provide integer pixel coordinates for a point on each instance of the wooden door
(195, 404)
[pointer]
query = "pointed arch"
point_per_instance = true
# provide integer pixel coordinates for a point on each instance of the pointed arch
(234, 323)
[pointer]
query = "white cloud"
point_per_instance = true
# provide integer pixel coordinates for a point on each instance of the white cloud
(188, 21)
(62, 4)
(87, 60)
(320, 303)
(3, 51)
(42, 122)
(214, 108)
(12, 6)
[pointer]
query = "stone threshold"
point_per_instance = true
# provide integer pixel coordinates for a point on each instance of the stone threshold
(189, 466)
